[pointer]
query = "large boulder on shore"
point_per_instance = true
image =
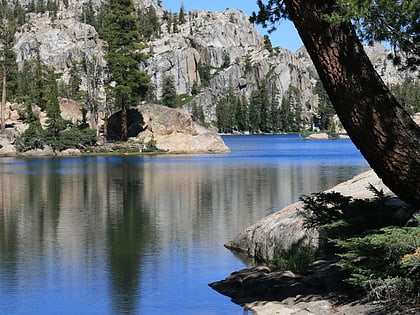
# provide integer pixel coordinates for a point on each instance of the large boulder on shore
(175, 132)
(284, 230)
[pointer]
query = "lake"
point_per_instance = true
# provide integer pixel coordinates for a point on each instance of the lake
(145, 234)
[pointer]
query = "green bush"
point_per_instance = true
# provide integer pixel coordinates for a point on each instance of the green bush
(38, 138)
(337, 216)
(296, 260)
(32, 139)
(76, 138)
(377, 254)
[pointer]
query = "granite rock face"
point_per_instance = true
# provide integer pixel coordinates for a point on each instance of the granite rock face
(236, 55)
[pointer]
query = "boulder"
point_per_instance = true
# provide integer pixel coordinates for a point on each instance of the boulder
(175, 132)
(71, 110)
(69, 152)
(318, 136)
(46, 151)
(315, 307)
(284, 229)
(265, 283)
(8, 150)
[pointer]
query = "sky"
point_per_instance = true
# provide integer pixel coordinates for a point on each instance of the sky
(285, 36)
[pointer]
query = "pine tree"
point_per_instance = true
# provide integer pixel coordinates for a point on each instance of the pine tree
(122, 34)
(255, 112)
(169, 97)
(8, 64)
(241, 114)
(149, 23)
(325, 108)
(55, 122)
(182, 14)
(274, 111)
(285, 114)
(264, 107)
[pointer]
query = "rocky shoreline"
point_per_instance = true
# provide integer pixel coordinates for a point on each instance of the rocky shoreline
(170, 130)
(265, 290)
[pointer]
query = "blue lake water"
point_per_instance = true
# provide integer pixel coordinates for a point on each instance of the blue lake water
(145, 234)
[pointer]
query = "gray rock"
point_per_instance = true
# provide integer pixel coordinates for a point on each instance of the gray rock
(318, 307)
(174, 131)
(284, 229)
(272, 284)
(8, 150)
(46, 151)
(69, 152)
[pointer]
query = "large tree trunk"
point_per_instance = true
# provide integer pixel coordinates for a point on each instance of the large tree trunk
(3, 100)
(384, 133)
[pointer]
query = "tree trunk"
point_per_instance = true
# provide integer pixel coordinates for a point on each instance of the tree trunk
(124, 126)
(3, 100)
(382, 130)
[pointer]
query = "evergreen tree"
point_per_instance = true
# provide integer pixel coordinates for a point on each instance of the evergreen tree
(40, 6)
(121, 32)
(89, 15)
(39, 79)
(226, 112)
(175, 23)
(255, 112)
(222, 116)
(408, 94)
(73, 90)
(325, 108)
(55, 122)
(182, 14)
(241, 114)
(296, 106)
(168, 17)
(204, 73)
(94, 72)
(198, 113)
(169, 96)
(274, 111)
(8, 63)
(264, 107)
(52, 8)
(285, 114)
(149, 23)
(31, 6)
(267, 43)
(34, 136)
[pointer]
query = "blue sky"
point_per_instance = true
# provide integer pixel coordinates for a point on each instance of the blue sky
(285, 36)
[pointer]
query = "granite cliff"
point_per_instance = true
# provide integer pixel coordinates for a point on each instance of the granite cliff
(236, 55)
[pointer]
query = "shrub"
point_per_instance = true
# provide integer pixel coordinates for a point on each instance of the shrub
(297, 260)
(377, 254)
(38, 138)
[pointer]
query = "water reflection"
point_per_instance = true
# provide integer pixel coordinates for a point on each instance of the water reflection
(136, 234)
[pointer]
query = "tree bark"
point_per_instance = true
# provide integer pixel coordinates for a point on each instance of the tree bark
(3, 100)
(381, 129)
(124, 125)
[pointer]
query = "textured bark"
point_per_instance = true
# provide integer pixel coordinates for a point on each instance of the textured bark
(384, 133)
(124, 125)
(3, 100)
